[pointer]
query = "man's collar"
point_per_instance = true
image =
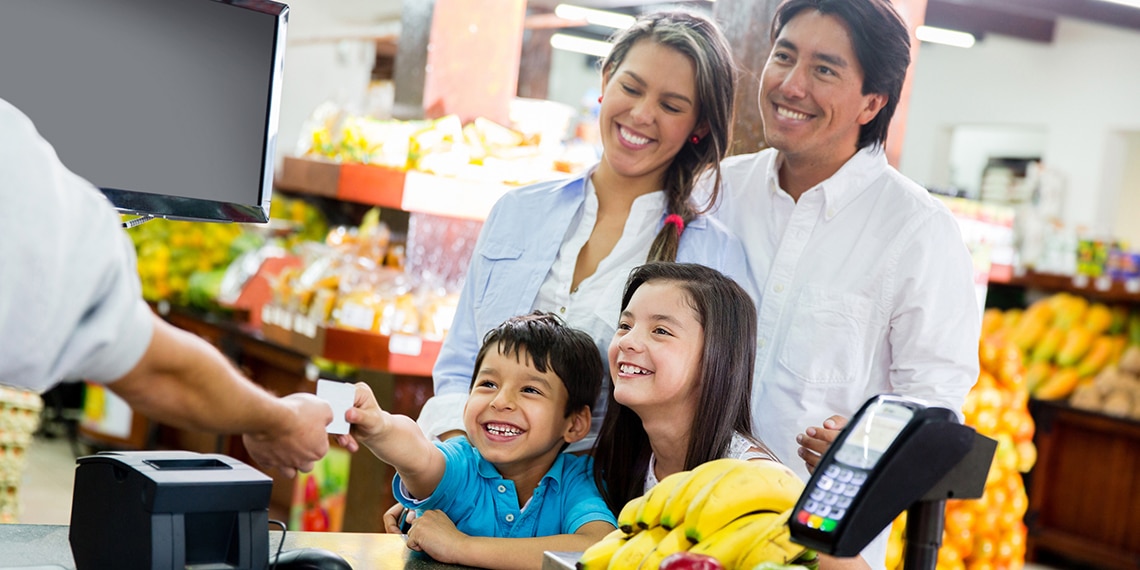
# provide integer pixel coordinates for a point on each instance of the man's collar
(841, 188)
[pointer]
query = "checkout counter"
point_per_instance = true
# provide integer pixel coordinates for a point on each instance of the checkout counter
(45, 547)
(181, 510)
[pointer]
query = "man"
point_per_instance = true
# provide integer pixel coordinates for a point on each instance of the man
(71, 308)
(866, 284)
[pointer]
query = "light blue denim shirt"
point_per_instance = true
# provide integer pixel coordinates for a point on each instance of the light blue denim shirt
(516, 249)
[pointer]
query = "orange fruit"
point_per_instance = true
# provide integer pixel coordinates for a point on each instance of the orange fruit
(1026, 456)
(985, 547)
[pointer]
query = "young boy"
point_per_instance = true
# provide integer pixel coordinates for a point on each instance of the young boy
(505, 493)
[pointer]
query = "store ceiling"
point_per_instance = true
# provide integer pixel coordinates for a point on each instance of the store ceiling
(1026, 19)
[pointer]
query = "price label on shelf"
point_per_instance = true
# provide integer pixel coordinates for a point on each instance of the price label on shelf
(1103, 283)
(406, 344)
(305, 326)
(1080, 281)
(1132, 285)
(357, 316)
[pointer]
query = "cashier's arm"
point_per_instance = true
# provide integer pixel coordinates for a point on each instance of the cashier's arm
(396, 440)
(184, 381)
(434, 534)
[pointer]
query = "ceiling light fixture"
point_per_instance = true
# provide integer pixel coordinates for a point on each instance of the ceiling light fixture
(943, 36)
(596, 17)
(566, 42)
(1129, 3)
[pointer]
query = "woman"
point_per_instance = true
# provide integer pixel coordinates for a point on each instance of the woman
(567, 246)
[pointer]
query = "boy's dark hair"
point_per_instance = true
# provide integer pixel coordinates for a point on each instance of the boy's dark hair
(881, 42)
(570, 352)
(728, 318)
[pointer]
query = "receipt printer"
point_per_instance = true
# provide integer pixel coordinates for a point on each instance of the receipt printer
(160, 510)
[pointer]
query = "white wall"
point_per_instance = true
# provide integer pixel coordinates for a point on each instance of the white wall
(1082, 90)
(329, 56)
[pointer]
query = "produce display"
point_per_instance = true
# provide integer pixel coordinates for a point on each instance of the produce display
(19, 419)
(171, 252)
(356, 279)
(726, 513)
(479, 150)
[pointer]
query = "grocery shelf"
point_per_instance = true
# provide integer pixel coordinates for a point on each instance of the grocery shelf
(411, 191)
(1102, 288)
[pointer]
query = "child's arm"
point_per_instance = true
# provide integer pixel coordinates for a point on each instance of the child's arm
(434, 534)
(395, 440)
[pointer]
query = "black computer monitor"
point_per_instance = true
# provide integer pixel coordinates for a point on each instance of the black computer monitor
(170, 107)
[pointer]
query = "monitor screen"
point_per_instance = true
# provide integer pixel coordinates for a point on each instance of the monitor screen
(168, 106)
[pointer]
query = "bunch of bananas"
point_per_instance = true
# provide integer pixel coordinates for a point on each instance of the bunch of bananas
(733, 510)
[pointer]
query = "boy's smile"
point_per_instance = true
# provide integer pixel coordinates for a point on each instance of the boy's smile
(515, 415)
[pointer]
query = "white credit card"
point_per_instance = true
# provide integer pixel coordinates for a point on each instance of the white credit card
(340, 396)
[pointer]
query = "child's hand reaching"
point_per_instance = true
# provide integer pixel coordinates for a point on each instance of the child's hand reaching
(435, 535)
(366, 418)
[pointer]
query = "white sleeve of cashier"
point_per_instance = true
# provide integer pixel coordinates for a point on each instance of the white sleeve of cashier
(70, 301)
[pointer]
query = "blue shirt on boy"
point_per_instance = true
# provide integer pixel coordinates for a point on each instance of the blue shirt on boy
(481, 502)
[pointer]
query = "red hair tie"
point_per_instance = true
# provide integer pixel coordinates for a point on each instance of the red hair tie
(676, 221)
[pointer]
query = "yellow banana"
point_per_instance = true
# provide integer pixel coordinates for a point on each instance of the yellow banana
(683, 495)
(636, 548)
(672, 543)
(655, 498)
(773, 545)
(627, 518)
(734, 539)
(755, 486)
(598, 555)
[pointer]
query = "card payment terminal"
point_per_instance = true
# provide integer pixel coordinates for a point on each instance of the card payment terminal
(893, 451)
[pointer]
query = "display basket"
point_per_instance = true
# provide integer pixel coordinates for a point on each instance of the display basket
(19, 419)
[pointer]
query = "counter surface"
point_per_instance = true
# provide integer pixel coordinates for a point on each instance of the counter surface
(47, 547)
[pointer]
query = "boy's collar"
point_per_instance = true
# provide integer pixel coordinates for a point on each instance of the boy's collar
(488, 471)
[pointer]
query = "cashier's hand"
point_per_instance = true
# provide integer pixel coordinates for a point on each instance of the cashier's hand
(815, 440)
(435, 535)
(298, 442)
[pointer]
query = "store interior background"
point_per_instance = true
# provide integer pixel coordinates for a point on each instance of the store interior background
(1071, 102)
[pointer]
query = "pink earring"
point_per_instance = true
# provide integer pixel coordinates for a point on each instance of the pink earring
(695, 139)
(599, 98)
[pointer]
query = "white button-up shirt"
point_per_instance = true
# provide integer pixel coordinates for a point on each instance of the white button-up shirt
(866, 287)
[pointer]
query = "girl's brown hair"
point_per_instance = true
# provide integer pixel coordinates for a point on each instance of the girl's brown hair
(728, 319)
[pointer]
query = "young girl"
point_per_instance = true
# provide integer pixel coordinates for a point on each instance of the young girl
(567, 246)
(681, 368)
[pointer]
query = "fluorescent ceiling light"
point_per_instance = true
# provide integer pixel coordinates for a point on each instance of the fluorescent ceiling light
(1129, 3)
(579, 44)
(944, 36)
(596, 17)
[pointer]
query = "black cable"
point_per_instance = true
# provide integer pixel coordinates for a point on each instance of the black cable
(284, 529)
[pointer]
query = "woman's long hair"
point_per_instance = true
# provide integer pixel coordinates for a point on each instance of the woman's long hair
(699, 39)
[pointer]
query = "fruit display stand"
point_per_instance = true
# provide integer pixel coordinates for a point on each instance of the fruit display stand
(1084, 495)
